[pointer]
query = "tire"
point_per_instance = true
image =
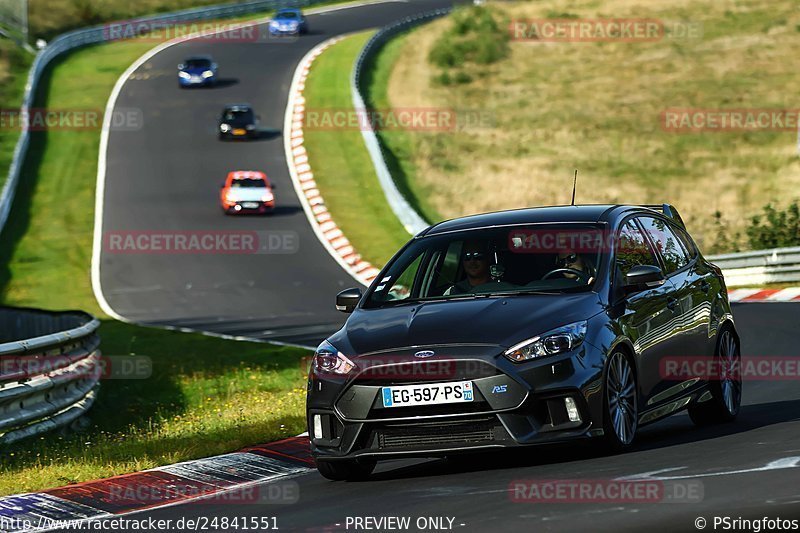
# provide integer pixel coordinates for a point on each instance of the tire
(347, 470)
(620, 403)
(726, 389)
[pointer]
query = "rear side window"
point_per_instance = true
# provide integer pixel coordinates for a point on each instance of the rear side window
(633, 249)
(668, 244)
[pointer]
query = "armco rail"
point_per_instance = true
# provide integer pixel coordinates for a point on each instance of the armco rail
(98, 34)
(49, 370)
(410, 219)
(777, 265)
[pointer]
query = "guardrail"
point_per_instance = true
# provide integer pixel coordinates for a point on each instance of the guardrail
(776, 265)
(410, 219)
(98, 34)
(49, 370)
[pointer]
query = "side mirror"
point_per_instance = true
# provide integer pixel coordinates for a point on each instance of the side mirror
(347, 300)
(214, 66)
(181, 66)
(643, 277)
(222, 185)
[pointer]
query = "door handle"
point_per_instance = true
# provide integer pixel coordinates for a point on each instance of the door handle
(672, 304)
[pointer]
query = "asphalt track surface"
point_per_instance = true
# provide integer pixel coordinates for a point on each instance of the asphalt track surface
(165, 178)
(729, 461)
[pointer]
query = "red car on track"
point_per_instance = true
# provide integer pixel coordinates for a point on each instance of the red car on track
(247, 191)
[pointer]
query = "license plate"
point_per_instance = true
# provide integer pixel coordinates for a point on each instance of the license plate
(239, 132)
(250, 205)
(435, 393)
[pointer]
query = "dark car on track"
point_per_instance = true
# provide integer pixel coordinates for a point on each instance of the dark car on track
(197, 71)
(238, 121)
(289, 21)
(525, 327)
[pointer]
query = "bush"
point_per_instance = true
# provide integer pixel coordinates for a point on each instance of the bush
(474, 37)
(775, 228)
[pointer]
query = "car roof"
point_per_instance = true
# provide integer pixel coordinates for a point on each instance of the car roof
(587, 214)
(247, 175)
(198, 57)
(288, 10)
(238, 107)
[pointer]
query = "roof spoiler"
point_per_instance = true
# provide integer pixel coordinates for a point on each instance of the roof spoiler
(669, 211)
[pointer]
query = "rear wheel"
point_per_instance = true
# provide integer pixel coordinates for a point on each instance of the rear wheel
(620, 401)
(725, 388)
(346, 470)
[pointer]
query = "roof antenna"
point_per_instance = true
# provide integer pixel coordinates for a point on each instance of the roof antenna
(574, 184)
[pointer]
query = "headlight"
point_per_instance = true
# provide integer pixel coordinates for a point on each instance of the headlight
(208, 74)
(329, 360)
(273, 24)
(224, 128)
(230, 197)
(553, 342)
(267, 198)
(184, 75)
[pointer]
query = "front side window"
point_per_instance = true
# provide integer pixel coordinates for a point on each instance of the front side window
(554, 258)
(668, 244)
(632, 249)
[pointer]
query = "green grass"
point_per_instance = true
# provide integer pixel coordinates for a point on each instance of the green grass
(598, 107)
(341, 164)
(205, 396)
(14, 65)
(398, 144)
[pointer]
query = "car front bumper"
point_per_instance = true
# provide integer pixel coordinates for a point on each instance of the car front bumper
(531, 410)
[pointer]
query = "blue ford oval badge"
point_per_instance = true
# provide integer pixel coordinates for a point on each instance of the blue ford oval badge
(424, 354)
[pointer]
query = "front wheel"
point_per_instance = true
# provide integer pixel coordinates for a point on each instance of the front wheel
(346, 470)
(621, 413)
(725, 388)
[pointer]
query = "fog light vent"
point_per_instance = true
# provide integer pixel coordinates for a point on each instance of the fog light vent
(317, 427)
(572, 410)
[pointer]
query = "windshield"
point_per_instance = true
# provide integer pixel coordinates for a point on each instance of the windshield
(198, 63)
(553, 258)
(238, 114)
(248, 183)
(287, 15)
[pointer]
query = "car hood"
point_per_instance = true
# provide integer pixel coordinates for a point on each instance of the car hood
(238, 122)
(502, 321)
(286, 22)
(197, 71)
(247, 194)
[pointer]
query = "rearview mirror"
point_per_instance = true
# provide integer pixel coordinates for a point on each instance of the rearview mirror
(643, 277)
(347, 300)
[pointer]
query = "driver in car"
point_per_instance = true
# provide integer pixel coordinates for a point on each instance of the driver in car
(570, 260)
(475, 258)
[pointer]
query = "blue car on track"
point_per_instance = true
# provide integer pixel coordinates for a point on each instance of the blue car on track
(197, 71)
(288, 21)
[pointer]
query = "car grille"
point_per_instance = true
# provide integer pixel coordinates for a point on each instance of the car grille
(436, 434)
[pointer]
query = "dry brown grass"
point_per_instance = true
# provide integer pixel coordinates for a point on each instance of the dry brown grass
(596, 107)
